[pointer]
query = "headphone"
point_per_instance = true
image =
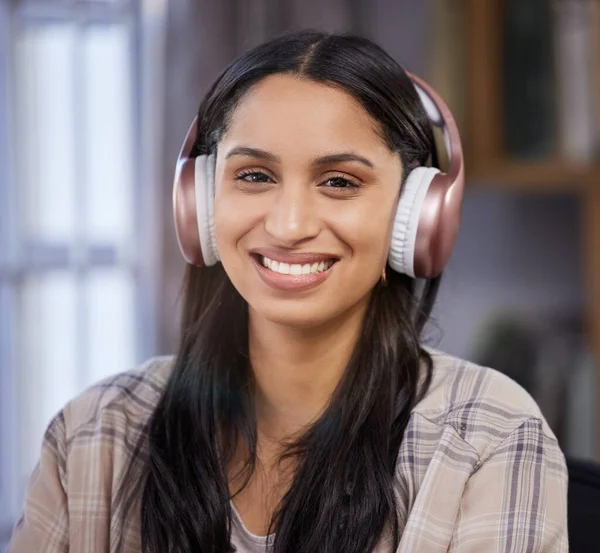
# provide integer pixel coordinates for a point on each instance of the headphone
(426, 221)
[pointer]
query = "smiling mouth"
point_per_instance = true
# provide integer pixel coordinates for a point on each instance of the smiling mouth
(295, 269)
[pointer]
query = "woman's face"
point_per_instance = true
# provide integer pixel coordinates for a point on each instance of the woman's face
(306, 191)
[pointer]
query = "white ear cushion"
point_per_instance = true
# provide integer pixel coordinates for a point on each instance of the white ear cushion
(204, 183)
(401, 256)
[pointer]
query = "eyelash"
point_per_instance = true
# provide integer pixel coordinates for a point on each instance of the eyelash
(242, 176)
(348, 183)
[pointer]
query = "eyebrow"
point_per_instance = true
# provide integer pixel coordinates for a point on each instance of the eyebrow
(324, 160)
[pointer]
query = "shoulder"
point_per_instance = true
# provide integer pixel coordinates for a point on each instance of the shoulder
(483, 406)
(118, 405)
(86, 454)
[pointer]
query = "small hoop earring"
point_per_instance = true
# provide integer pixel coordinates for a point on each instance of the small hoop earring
(384, 276)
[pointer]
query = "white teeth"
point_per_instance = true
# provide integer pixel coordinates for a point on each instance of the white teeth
(296, 268)
(284, 268)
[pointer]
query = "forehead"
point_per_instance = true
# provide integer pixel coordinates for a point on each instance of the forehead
(285, 110)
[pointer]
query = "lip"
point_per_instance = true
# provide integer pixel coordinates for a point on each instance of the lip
(291, 283)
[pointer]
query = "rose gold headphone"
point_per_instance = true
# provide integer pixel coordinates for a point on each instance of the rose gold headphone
(426, 222)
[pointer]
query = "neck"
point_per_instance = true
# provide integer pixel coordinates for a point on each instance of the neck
(297, 370)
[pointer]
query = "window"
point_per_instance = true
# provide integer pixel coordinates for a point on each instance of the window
(78, 134)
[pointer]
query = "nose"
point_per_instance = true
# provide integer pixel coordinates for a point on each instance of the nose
(292, 216)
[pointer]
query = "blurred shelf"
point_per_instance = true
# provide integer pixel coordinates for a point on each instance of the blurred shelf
(487, 164)
(541, 177)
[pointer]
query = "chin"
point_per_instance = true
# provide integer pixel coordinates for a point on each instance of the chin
(305, 313)
(294, 314)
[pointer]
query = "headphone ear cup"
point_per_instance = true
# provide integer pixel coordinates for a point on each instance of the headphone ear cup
(401, 257)
(184, 211)
(204, 178)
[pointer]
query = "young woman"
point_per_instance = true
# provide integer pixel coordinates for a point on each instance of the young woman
(302, 413)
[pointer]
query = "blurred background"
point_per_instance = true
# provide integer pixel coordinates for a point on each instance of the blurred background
(96, 97)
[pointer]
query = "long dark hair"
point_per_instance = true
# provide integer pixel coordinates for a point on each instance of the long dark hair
(342, 496)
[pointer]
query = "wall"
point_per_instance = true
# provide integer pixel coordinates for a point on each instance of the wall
(6, 378)
(514, 252)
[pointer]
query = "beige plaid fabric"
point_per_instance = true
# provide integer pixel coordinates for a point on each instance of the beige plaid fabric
(479, 469)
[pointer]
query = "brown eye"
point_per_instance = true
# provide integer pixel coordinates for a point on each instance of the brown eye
(340, 182)
(253, 176)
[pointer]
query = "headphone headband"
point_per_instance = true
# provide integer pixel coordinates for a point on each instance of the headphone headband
(440, 115)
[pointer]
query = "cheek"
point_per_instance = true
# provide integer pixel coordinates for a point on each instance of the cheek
(367, 229)
(230, 224)
(236, 217)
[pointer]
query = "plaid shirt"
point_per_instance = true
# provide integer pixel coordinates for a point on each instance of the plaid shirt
(479, 470)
